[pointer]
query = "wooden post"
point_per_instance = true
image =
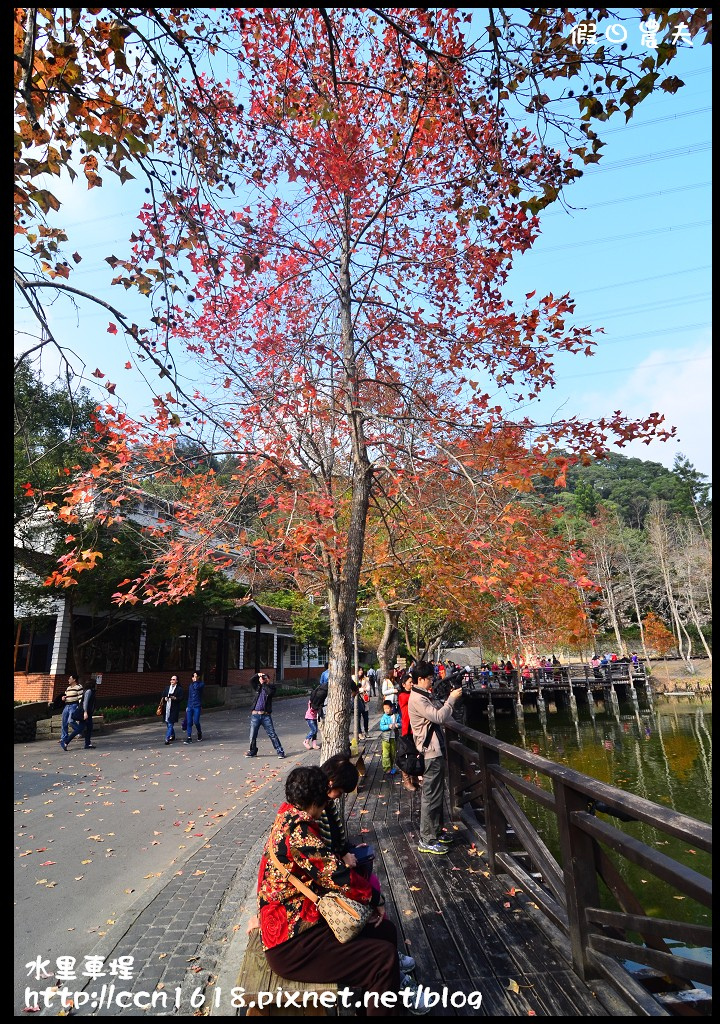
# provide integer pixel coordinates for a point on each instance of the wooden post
(455, 783)
(578, 863)
(495, 822)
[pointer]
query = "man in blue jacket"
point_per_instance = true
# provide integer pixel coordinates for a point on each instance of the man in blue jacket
(261, 714)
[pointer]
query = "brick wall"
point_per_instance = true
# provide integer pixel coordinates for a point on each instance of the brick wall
(301, 674)
(37, 686)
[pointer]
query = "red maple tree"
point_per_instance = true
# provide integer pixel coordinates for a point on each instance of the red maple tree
(347, 325)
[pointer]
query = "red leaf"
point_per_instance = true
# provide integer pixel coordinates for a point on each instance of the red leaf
(112, 329)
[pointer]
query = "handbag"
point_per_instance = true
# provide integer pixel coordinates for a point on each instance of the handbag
(161, 708)
(346, 918)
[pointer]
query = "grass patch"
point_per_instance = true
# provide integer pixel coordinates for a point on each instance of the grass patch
(292, 691)
(121, 712)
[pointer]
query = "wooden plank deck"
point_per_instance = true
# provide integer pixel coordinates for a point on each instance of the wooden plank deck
(469, 931)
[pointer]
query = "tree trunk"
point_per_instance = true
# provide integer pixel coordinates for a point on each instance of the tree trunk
(389, 645)
(659, 534)
(343, 588)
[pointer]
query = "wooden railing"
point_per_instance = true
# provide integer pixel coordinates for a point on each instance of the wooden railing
(493, 785)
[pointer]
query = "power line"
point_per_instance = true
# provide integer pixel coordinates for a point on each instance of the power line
(619, 238)
(655, 333)
(626, 199)
(656, 120)
(634, 369)
(663, 154)
(646, 306)
(643, 280)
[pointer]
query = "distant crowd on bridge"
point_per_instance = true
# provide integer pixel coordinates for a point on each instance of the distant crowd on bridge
(541, 671)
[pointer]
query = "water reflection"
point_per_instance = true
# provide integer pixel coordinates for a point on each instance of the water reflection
(662, 753)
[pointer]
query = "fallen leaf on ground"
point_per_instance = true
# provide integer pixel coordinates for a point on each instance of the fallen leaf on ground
(513, 986)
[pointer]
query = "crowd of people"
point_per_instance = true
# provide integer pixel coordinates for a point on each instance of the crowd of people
(308, 841)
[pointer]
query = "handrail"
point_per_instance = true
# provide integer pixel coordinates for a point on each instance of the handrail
(583, 891)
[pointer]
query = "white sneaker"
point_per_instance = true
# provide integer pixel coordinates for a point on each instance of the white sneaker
(407, 963)
(416, 1004)
(419, 1004)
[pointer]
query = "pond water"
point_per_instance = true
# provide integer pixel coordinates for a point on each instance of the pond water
(662, 753)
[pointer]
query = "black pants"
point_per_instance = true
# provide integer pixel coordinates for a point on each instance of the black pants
(368, 963)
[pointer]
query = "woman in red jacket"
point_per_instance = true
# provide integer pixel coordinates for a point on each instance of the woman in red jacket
(410, 782)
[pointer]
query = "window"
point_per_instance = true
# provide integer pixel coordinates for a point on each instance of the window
(299, 655)
(106, 648)
(265, 650)
(169, 653)
(33, 645)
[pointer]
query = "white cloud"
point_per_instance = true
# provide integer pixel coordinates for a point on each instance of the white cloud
(676, 383)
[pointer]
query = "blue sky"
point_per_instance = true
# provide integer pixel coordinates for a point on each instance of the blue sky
(635, 254)
(634, 251)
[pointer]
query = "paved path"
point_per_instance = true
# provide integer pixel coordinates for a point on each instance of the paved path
(153, 851)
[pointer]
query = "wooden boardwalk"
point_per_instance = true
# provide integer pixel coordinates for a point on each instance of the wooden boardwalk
(474, 936)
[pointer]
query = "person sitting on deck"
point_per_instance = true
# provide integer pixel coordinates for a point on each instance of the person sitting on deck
(297, 940)
(343, 777)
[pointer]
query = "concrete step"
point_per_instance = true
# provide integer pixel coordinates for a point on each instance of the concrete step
(54, 725)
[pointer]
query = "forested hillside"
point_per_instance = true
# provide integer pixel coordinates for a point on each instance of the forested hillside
(647, 534)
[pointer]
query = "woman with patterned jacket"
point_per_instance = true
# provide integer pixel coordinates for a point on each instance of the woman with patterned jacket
(298, 942)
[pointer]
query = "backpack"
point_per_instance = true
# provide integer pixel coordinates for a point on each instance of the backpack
(407, 757)
(318, 697)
